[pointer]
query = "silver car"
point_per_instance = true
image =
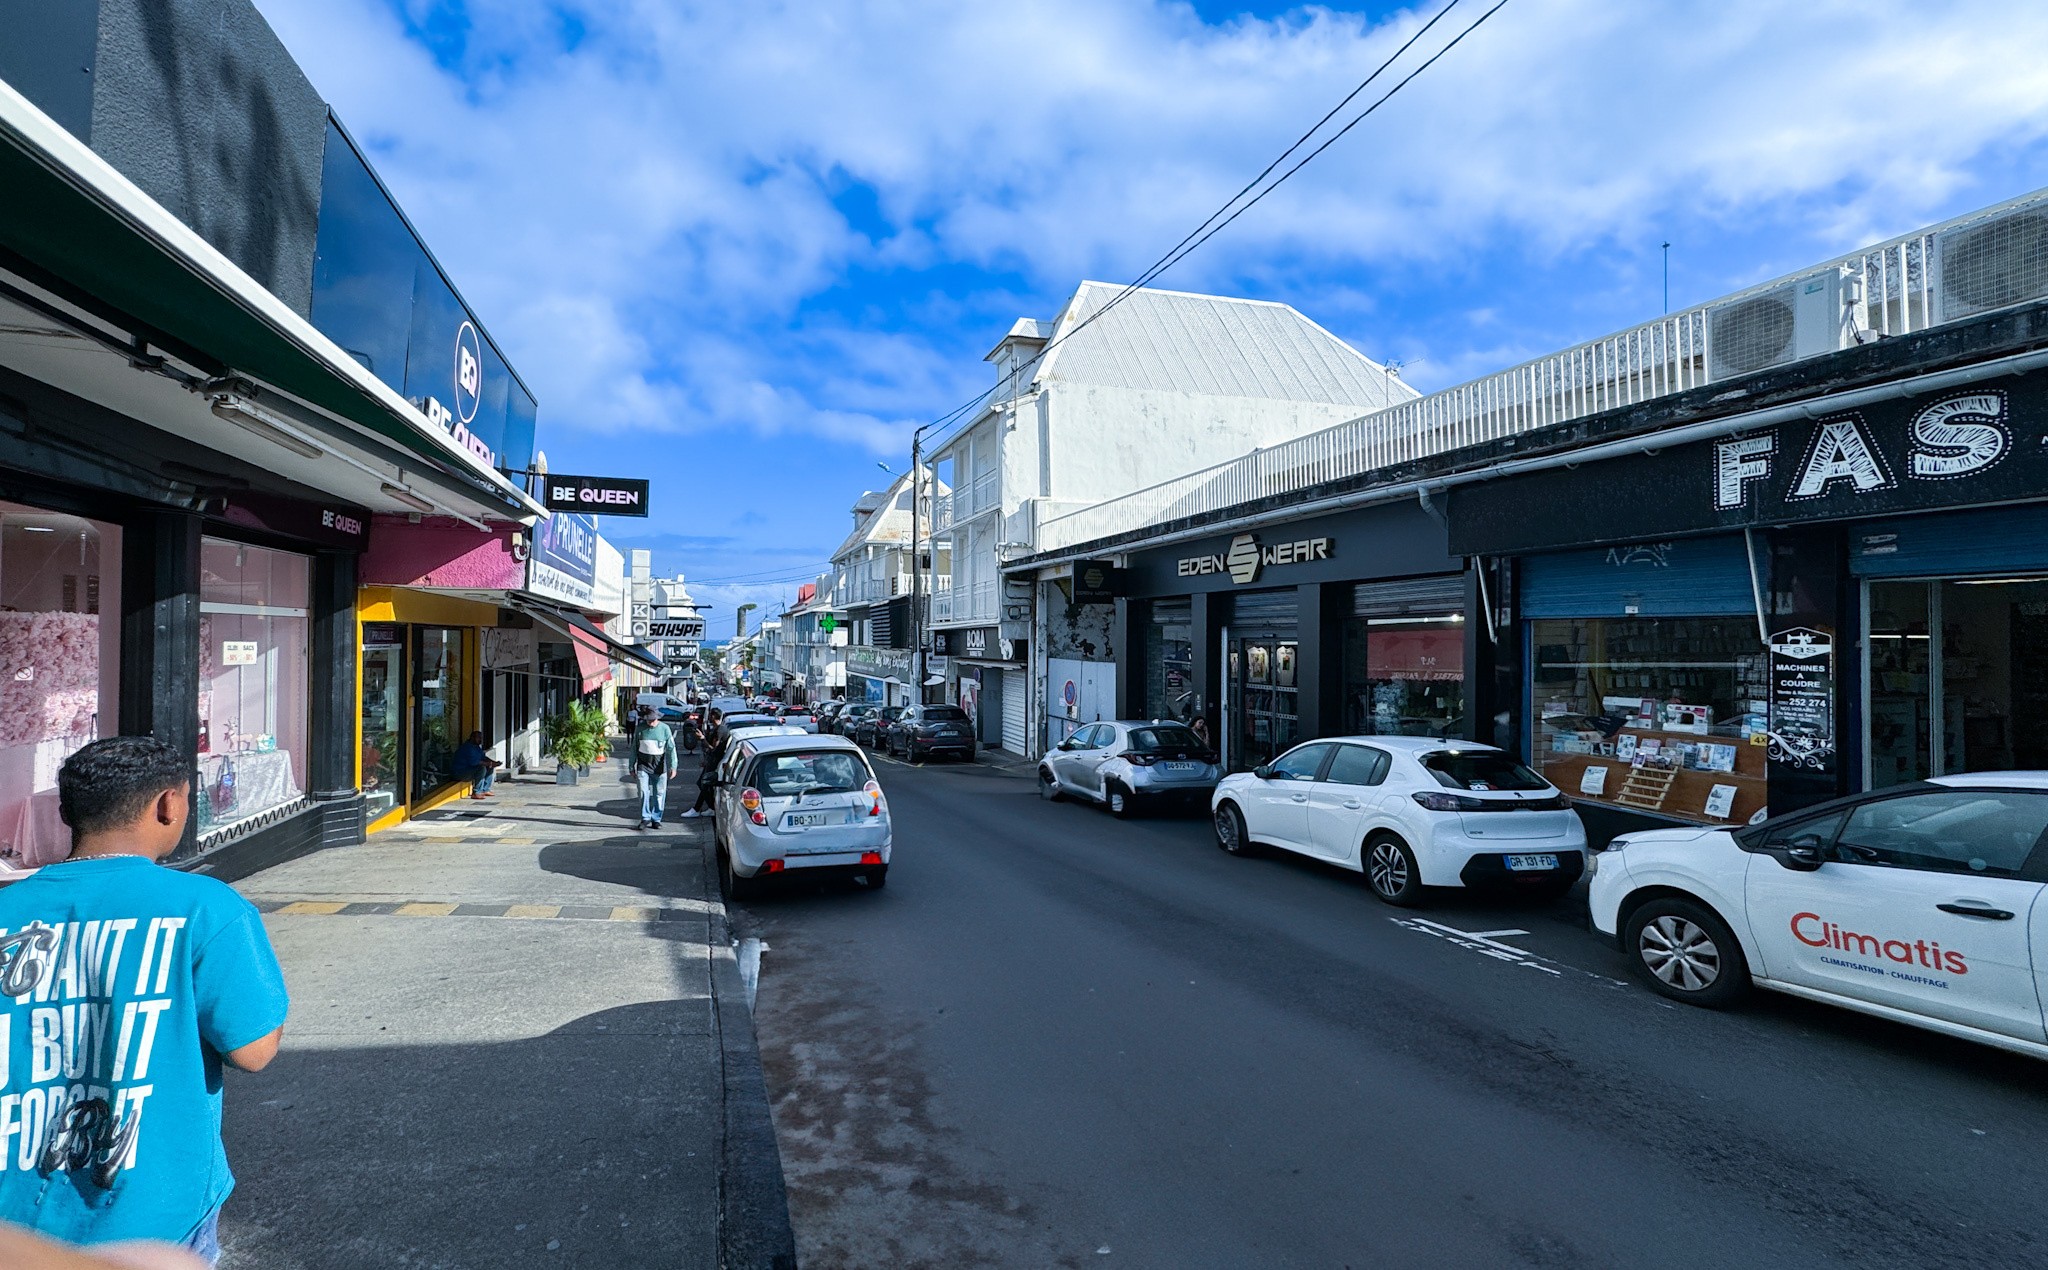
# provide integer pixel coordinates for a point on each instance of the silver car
(1128, 764)
(790, 804)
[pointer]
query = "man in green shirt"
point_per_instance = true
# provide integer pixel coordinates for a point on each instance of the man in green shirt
(654, 761)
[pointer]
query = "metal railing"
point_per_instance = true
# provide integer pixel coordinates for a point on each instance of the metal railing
(1888, 289)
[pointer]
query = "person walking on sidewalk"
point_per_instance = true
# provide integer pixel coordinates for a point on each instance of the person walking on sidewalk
(654, 762)
(124, 989)
(707, 777)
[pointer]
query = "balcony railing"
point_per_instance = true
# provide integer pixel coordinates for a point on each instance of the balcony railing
(1984, 260)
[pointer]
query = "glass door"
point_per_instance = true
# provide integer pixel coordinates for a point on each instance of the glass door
(438, 713)
(383, 722)
(1263, 699)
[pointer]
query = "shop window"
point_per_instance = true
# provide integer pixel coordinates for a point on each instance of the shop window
(440, 723)
(1663, 716)
(1404, 676)
(1168, 657)
(383, 718)
(254, 620)
(1985, 679)
(59, 665)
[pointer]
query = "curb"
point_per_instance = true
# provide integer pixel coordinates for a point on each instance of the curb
(754, 1231)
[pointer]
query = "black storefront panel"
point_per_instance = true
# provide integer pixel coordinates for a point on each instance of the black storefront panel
(1393, 540)
(1955, 544)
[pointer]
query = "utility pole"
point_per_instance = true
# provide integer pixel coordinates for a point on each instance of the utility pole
(916, 570)
(1667, 279)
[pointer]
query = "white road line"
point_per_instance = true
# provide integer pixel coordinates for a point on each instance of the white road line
(1495, 934)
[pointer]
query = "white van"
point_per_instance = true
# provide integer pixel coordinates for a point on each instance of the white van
(667, 708)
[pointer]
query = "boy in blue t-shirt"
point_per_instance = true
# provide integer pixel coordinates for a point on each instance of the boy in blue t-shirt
(124, 988)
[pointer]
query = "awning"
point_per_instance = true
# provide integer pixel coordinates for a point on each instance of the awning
(579, 630)
(593, 660)
(72, 214)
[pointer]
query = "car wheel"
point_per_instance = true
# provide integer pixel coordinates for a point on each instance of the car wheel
(1231, 834)
(736, 887)
(1048, 786)
(1687, 953)
(877, 878)
(1122, 803)
(1390, 871)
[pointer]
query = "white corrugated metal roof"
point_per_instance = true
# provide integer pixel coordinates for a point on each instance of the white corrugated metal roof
(1175, 341)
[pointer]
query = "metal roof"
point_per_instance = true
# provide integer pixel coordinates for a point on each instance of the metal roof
(1175, 341)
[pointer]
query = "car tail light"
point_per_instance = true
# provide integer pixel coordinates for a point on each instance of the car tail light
(1458, 802)
(874, 792)
(1142, 760)
(1448, 802)
(750, 802)
(773, 866)
(870, 857)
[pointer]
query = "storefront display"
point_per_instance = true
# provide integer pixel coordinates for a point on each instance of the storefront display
(1167, 657)
(1985, 678)
(383, 717)
(255, 605)
(59, 665)
(1404, 676)
(1668, 717)
(439, 719)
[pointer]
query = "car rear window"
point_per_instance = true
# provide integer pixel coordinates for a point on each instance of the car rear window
(1480, 771)
(1165, 738)
(945, 714)
(808, 772)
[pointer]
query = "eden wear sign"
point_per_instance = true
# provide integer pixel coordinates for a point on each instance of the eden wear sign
(595, 495)
(1963, 447)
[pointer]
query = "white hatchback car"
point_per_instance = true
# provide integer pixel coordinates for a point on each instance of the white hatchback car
(1408, 812)
(1918, 903)
(801, 803)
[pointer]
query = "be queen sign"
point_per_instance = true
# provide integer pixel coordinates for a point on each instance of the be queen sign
(594, 495)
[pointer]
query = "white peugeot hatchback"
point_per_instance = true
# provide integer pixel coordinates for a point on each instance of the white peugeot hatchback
(800, 803)
(1408, 812)
(1917, 903)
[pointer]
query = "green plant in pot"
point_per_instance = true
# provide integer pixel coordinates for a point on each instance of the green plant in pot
(568, 735)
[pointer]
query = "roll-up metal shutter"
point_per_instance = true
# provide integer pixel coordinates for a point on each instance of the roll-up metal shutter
(1274, 613)
(1689, 577)
(1016, 711)
(1997, 540)
(1442, 594)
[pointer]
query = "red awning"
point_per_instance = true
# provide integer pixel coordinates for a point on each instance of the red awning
(593, 660)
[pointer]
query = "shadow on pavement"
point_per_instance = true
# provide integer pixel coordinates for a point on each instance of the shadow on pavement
(674, 870)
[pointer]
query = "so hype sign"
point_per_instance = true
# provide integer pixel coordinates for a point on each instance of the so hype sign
(1964, 447)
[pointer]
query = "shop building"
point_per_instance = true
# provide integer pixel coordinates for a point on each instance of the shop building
(193, 445)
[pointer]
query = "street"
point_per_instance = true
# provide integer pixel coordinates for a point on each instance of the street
(1059, 1039)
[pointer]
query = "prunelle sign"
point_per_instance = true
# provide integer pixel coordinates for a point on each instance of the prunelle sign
(594, 495)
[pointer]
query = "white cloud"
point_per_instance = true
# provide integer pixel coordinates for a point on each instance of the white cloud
(646, 219)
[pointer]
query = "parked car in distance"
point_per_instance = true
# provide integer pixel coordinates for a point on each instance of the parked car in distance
(1410, 813)
(730, 705)
(801, 804)
(798, 716)
(867, 729)
(1131, 764)
(852, 715)
(828, 716)
(922, 732)
(1920, 903)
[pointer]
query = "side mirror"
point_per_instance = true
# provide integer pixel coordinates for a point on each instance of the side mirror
(1805, 853)
(1067, 744)
(1263, 771)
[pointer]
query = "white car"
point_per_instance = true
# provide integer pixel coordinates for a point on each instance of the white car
(1127, 765)
(1408, 812)
(800, 804)
(1917, 903)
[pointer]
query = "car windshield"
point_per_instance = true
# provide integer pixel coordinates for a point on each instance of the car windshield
(1481, 771)
(1170, 737)
(828, 772)
(944, 714)
(892, 712)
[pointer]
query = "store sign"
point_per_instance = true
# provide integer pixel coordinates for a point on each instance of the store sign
(1802, 720)
(1095, 582)
(329, 524)
(238, 652)
(1964, 447)
(563, 563)
(597, 495)
(973, 641)
(670, 628)
(880, 663)
(1247, 557)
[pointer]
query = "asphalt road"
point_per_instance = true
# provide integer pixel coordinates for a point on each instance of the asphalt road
(1057, 1039)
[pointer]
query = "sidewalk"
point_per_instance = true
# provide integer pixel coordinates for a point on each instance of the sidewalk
(518, 1035)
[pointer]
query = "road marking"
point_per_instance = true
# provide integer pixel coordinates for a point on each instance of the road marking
(1482, 943)
(425, 910)
(312, 908)
(533, 910)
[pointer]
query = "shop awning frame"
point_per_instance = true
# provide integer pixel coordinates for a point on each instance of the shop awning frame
(582, 631)
(72, 215)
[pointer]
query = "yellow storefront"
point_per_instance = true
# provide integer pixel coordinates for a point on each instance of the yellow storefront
(421, 692)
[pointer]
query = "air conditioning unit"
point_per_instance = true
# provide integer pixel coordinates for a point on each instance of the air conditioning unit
(1803, 318)
(1991, 264)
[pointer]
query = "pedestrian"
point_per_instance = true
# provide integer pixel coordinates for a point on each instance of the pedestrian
(125, 988)
(1200, 727)
(474, 764)
(707, 776)
(654, 762)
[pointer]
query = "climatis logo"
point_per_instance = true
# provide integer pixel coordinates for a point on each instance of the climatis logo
(1815, 931)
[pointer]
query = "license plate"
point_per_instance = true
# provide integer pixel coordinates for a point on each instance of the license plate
(1530, 863)
(1181, 769)
(812, 819)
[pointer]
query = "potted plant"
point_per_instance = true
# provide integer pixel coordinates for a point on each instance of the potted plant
(568, 735)
(597, 733)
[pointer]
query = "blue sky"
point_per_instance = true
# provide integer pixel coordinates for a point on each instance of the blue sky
(743, 249)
